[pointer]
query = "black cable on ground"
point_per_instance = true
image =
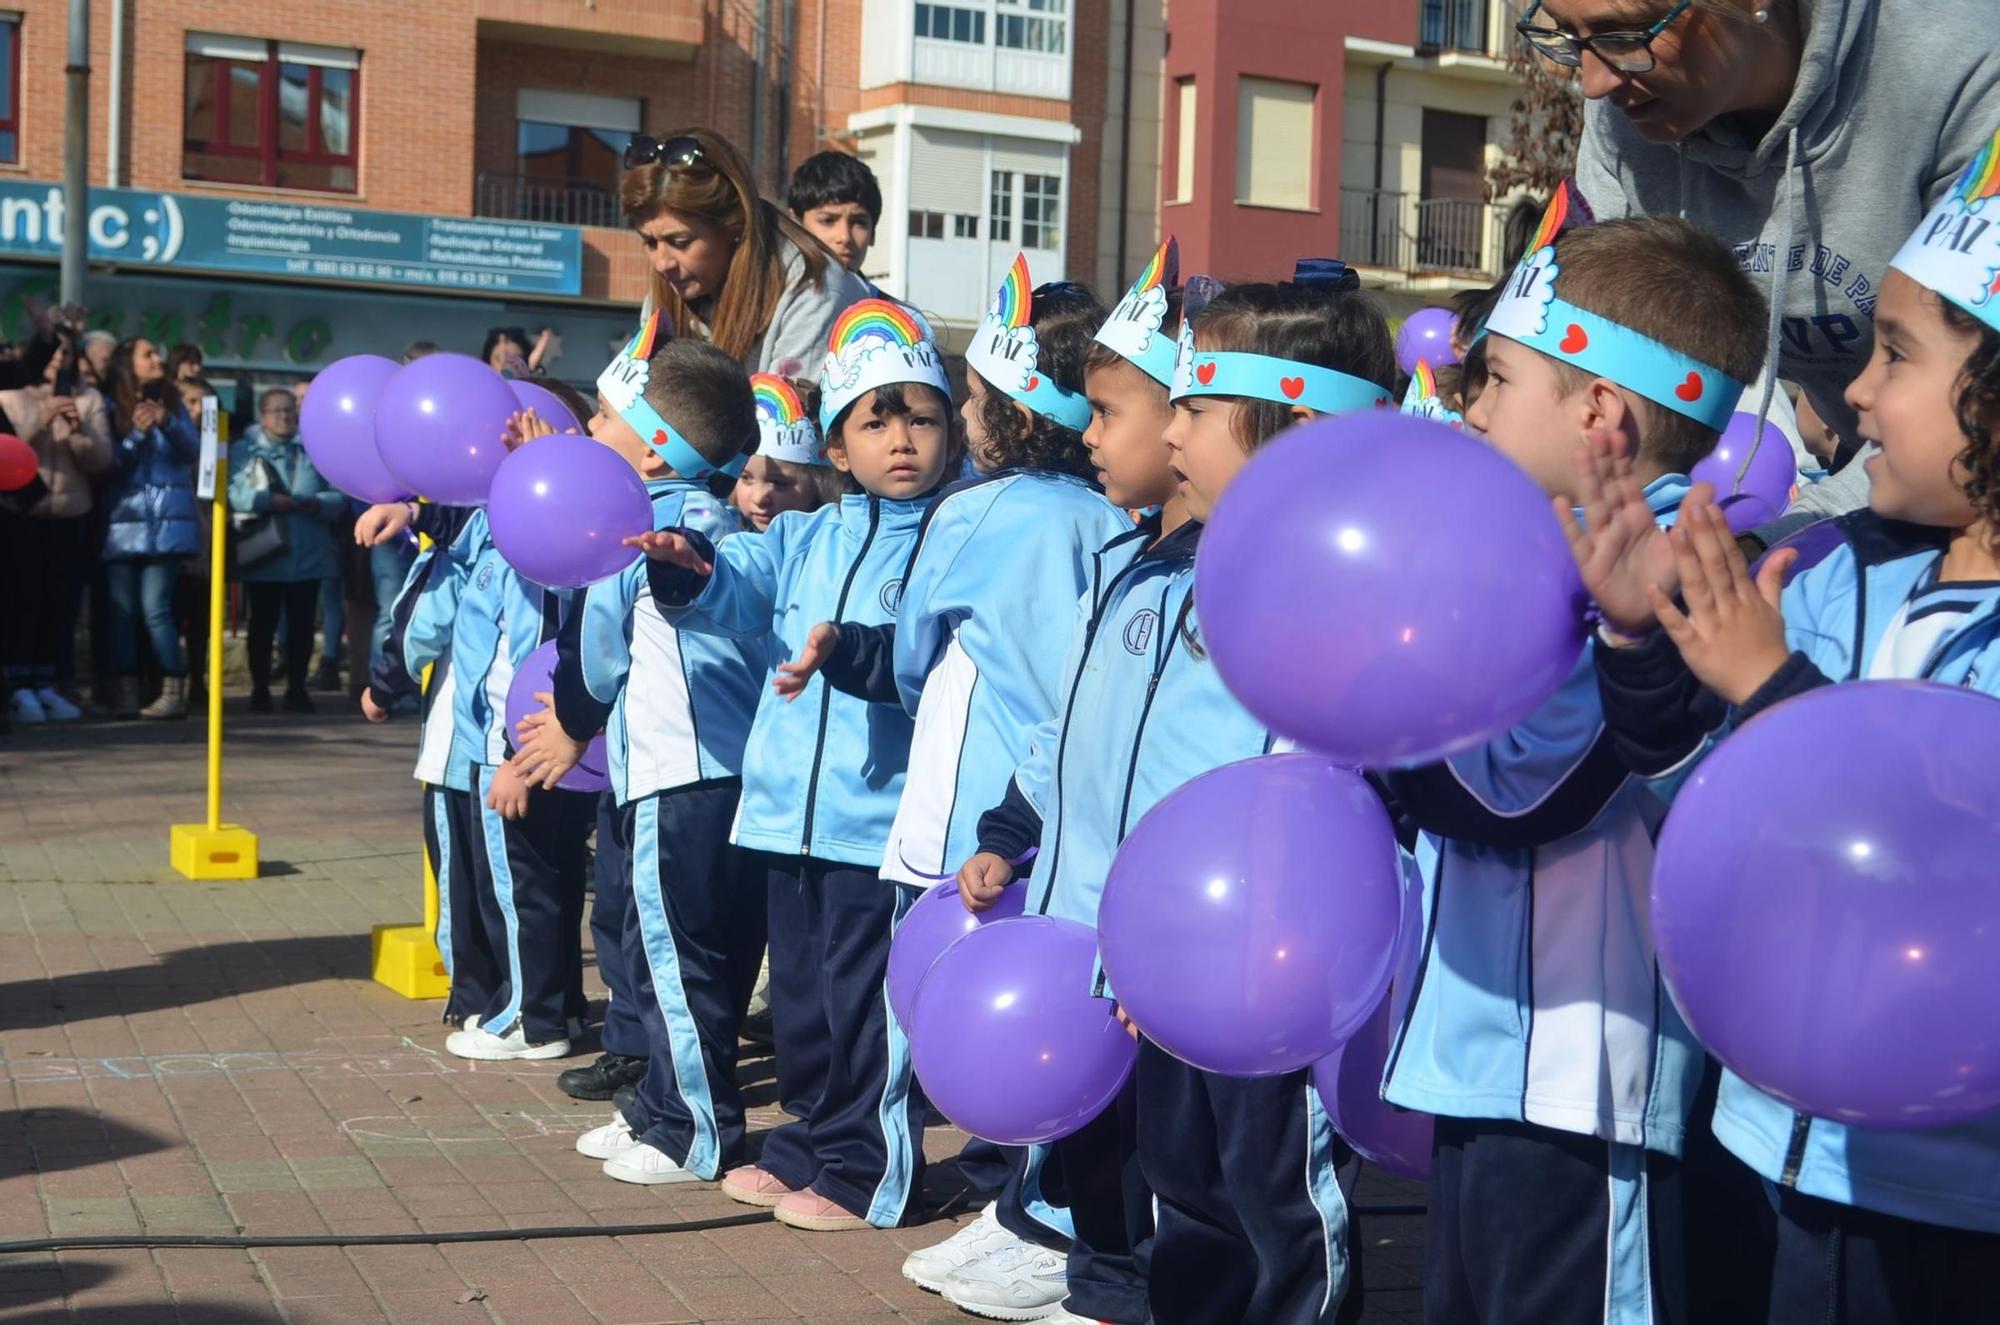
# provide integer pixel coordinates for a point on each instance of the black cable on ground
(246, 1241)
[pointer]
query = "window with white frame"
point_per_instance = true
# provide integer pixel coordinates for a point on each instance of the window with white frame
(1274, 143)
(1041, 210)
(951, 23)
(1000, 208)
(925, 224)
(1040, 28)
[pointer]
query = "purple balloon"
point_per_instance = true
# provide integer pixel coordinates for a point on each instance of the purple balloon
(1830, 932)
(538, 673)
(546, 403)
(1349, 1081)
(337, 427)
(1007, 1038)
(439, 427)
(1768, 484)
(1814, 544)
(1426, 334)
(1387, 590)
(1249, 920)
(928, 928)
(561, 508)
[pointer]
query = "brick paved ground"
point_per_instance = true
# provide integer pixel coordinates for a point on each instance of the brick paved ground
(196, 1058)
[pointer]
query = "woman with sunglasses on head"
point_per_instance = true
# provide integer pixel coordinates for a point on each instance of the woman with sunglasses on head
(1810, 134)
(727, 265)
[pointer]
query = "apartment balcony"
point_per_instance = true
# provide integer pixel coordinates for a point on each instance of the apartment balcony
(1456, 25)
(1419, 236)
(545, 200)
(1013, 47)
(667, 29)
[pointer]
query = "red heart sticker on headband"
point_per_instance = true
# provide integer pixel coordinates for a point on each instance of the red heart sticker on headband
(1293, 387)
(1575, 341)
(1205, 373)
(1690, 390)
(1034, 382)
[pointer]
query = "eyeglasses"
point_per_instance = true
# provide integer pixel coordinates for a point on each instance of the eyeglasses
(1627, 52)
(676, 153)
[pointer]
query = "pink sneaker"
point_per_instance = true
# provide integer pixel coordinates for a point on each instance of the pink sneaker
(752, 1186)
(816, 1214)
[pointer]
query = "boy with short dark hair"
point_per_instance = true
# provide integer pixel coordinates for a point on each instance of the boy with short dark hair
(835, 196)
(1537, 1029)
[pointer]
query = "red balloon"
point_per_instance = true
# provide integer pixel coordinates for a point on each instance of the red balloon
(18, 464)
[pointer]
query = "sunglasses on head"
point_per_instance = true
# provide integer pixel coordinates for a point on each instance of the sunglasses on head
(675, 153)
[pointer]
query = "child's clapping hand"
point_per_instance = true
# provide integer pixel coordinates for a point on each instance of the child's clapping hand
(1732, 635)
(1620, 549)
(525, 427)
(665, 545)
(981, 879)
(543, 751)
(382, 522)
(791, 678)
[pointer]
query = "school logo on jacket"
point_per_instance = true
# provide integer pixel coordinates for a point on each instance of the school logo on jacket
(485, 580)
(1139, 632)
(892, 596)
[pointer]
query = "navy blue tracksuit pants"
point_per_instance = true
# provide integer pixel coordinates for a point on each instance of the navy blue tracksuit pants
(841, 1055)
(1252, 1188)
(523, 889)
(1096, 1169)
(451, 835)
(696, 937)
(610, 917)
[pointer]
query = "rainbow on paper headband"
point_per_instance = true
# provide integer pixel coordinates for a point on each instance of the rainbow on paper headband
(873, 344)
(1956, 251)
(1134, 328)
(1530, 312)
(784, 432)
(623, 386)
(1007, 354)
(1262, 377)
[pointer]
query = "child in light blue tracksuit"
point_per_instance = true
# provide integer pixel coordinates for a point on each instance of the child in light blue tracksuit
(975, 655)
(517, 902)
(1536, 1028)
(1252, 1221)
(821, 776)
(1873, 1225)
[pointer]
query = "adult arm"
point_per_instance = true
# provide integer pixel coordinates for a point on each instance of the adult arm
(805, 314)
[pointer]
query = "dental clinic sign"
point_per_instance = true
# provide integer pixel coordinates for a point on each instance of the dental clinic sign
(299, 240)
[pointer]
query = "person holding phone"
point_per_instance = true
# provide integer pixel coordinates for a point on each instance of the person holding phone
(46, 551)
(152, 526)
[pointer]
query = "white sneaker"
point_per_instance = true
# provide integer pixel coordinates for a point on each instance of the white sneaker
(601, 1143)
(484, 1045)
(646, 1165)
(1022, 1282)
(56, 706)
(929, 1267)
(24, 708)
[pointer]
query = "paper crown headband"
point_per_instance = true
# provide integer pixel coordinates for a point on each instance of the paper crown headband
(1423, 400)
(1262, 377)
(1008, 356)
(1133, 329)
(1956, 251)
(1530, 312)
(623, 384)
(874, 343)
(784, 432)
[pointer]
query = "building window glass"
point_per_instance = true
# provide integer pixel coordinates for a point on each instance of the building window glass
(1041, 207)
(1184, 139)
(10, 88)
(948, 23)
(1000, 208)
(941, 225)
(964, 227)
(567, 157)
(1274, 143)
(1025, 32)
(275, 114)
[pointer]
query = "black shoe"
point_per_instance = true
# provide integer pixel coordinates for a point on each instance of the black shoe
(757, 1029)
(602, 1079)
(260, 701)
(624, 1097)
(327, 680)
(298, 701)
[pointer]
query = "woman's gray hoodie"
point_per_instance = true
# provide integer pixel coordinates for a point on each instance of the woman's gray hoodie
(1893, 98)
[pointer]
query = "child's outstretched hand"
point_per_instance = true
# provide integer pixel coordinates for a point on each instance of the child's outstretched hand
(1732, 635)
(666, 545)
(509, 796)
(981, 879)
(380, 523)
(371, 710)
(524, 427)
(1621, 551)
(543, 751)
(791, 678)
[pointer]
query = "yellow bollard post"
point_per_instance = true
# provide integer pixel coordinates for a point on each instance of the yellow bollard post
(406, 957)
(212, 851)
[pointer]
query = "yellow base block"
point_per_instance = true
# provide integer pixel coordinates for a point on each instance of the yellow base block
(407, 961)
(211, 854)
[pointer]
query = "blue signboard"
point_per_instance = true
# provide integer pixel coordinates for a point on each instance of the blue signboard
(300, 240)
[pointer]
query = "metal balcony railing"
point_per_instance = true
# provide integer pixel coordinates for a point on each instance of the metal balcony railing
(1454, 25)
(547, 200)
(1387, 228)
